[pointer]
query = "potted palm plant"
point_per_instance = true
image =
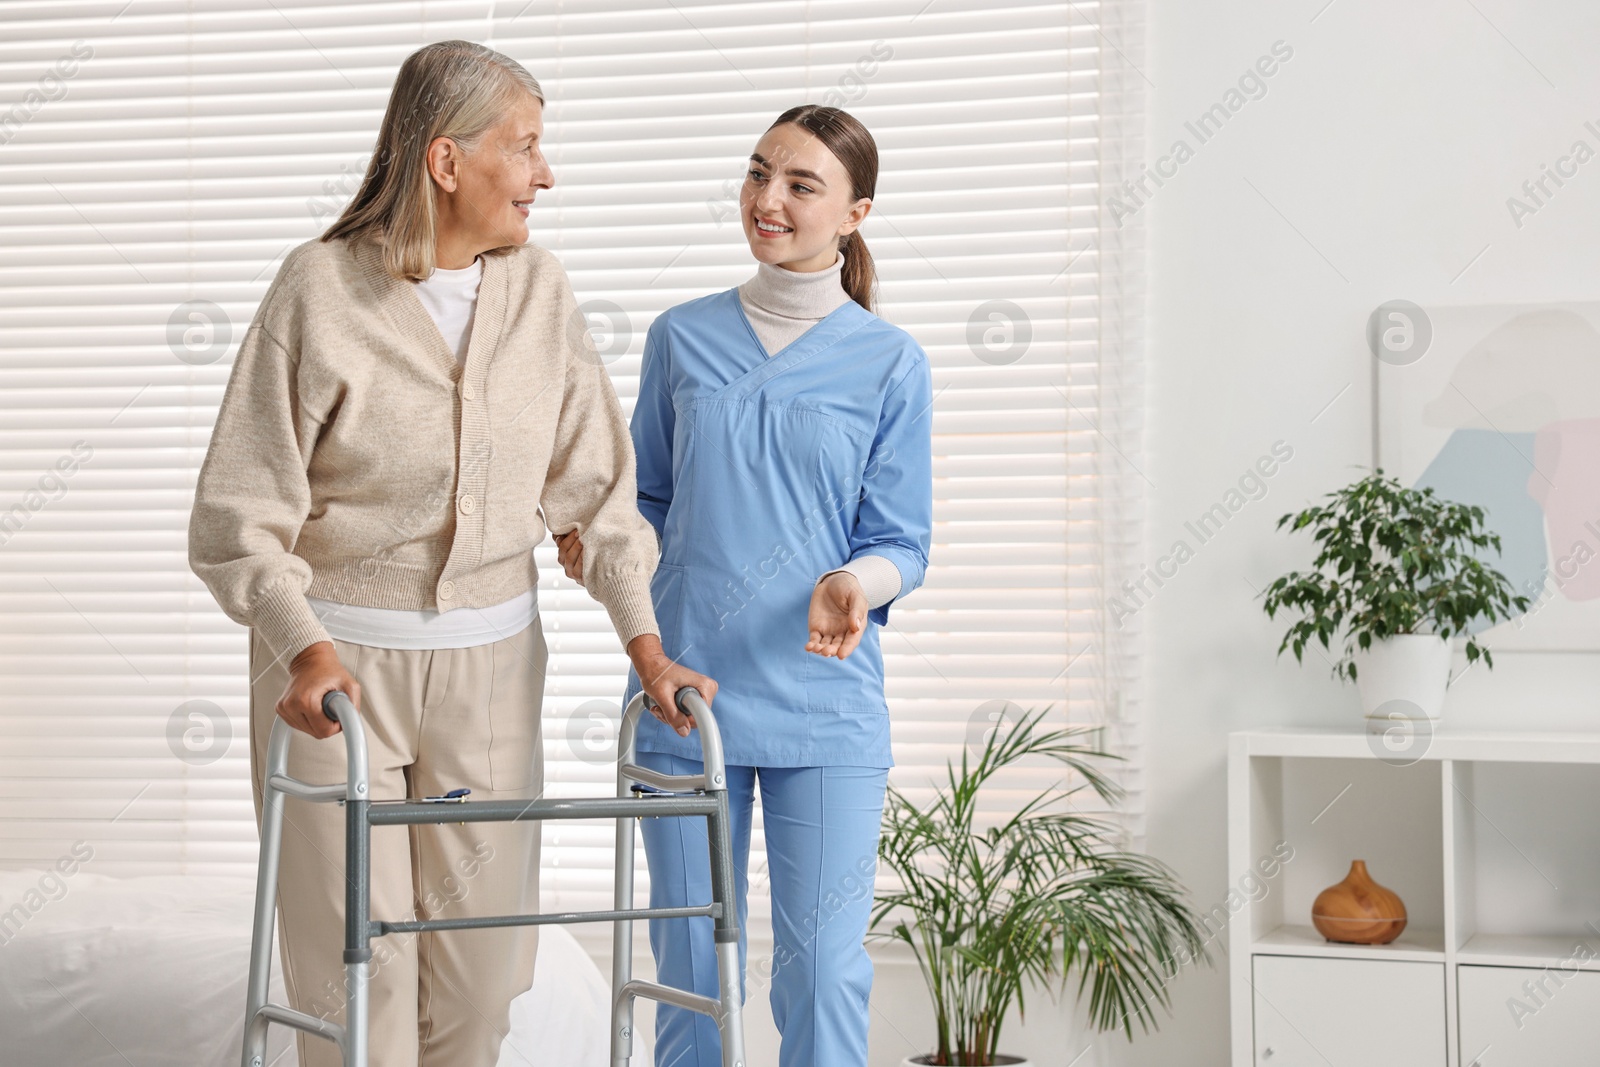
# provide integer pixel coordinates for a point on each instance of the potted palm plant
(1038, 895)
(1395, 570)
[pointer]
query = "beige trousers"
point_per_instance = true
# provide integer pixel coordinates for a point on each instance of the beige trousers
(436, 720)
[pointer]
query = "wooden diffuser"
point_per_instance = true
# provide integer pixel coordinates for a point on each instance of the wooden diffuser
(1358, 910)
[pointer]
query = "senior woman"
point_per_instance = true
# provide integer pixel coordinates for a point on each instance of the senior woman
(414, 404)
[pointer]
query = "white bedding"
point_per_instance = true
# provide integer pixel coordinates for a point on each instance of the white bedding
(150, 972)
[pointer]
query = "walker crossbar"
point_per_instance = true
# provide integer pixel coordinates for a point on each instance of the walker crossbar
(709, 911)
(517, 810)
(686, 796)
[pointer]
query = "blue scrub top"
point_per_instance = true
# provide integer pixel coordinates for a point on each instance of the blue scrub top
(760, 474)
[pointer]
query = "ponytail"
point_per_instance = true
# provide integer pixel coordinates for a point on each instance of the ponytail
(858, 276)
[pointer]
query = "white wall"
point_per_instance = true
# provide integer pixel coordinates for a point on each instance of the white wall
(1390, 141)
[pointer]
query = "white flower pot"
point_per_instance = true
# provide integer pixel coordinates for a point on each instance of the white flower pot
(1000, 1058)
(1403, 677)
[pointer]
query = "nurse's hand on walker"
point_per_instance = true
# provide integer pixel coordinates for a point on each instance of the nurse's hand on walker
(838, 615)
(314, 672)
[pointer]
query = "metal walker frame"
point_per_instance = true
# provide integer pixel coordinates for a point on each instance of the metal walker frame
(699, 795)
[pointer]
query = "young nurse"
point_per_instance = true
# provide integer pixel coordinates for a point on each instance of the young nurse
(784, 457)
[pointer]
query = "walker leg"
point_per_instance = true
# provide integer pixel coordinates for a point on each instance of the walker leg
(726, 931)
(255, 1024)
(712, 782)
(357, 928)
(276, 788)
(622, 940)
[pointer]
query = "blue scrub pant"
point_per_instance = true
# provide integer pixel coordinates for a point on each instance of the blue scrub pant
(821, 827)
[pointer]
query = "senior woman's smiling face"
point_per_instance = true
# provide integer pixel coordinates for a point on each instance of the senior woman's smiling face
(484, 196)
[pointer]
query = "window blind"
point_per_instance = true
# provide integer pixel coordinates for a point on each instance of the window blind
(150, 194)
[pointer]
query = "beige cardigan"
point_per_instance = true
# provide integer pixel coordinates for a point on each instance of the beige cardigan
(333, 470)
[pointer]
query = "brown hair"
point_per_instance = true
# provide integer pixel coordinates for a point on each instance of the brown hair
(454, 89)
(844, 135)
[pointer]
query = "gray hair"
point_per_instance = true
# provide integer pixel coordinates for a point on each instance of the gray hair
(454, 89)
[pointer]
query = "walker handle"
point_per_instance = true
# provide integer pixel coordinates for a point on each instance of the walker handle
(338, 706)
(681, 698)
(691, 703)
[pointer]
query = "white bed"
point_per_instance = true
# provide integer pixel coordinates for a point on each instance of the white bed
(150, 972)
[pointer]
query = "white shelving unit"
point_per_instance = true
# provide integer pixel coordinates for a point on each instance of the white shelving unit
(1492, 841)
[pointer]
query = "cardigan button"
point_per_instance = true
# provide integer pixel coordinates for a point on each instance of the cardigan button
(447, 589)
(468, 505)
(468, 392)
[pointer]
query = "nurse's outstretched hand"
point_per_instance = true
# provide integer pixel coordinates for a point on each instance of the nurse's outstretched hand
(838, 615)
(662, 677)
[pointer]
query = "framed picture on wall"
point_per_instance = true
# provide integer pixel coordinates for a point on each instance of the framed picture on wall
(1499, 406)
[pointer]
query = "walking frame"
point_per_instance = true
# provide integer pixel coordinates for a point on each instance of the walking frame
(641, 793)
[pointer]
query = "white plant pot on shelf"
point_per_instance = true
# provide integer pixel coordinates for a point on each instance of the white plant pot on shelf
(1000, 1058)
(1403, 677)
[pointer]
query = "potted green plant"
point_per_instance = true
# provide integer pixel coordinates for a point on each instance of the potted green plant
(1396, 570)
(1037, 895)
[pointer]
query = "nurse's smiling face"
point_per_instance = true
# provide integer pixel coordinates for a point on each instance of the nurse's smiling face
(797, 201)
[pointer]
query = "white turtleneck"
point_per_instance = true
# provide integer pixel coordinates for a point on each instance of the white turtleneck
(781, 306)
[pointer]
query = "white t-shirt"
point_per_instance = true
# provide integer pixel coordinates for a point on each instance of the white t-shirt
(451, 298)
(457, 628)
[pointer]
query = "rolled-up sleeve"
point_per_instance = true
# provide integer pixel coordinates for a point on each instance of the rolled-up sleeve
(252, 497)
(895, 517)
